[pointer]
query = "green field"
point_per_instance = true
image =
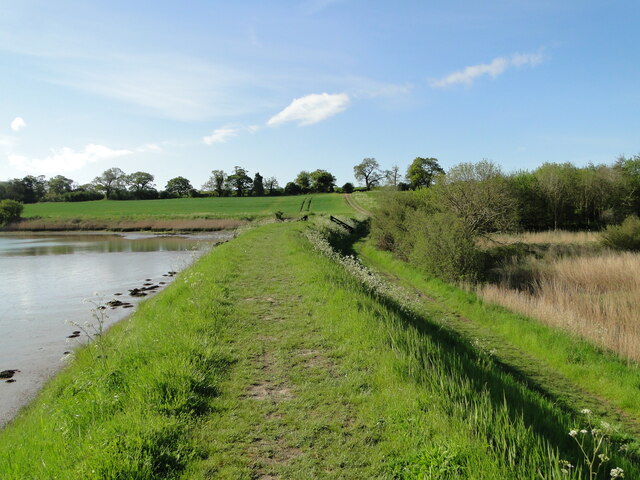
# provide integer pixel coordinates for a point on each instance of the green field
(227, 207)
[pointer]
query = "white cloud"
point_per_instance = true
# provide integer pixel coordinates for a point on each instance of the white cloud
(311, 109)
(221, 135)
(18, 124)
(65, 159)
(150, 147)
(497, 67)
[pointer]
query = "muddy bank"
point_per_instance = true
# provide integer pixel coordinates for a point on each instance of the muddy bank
(124, 225)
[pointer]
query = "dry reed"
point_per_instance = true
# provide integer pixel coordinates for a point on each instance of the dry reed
(596, 297)
(548, 237)
(154, 225)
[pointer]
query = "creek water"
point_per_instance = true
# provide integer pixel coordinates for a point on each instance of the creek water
(48, 282)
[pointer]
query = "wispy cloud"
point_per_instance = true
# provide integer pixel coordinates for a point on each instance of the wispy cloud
(221, 135)
(311, 109)
(18, 124)
(66, 159)
(495, 68)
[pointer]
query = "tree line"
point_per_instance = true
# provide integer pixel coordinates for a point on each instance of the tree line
(115, 184)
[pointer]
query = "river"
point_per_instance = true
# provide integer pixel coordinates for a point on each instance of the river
(49, 282)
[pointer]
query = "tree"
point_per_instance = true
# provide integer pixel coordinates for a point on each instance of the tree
(258, 186)
(179, 186)
(322, 181)
(216, 182)
(422, 171)
(292, 188)
(271, 184)
(110, 182)
(392, 176)
(557, 182)
(239, 180)
(60, 185)
(347, 187)
(10, 211)
(368, 171)
(303, 180)
(140, 181)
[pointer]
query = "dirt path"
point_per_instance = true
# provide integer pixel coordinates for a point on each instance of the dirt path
(353, 204)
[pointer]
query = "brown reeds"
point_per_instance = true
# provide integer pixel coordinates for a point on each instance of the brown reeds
(595, 297)
(153, 225)
(548, 237)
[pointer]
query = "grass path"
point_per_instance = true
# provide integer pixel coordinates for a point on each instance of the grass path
(268, 360)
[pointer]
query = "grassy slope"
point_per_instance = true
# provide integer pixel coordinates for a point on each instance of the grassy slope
(577, 373)
(227, 207)
(268, 359)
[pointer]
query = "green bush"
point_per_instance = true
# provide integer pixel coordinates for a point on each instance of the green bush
(10, 211)
(444, 248)
(623, 237)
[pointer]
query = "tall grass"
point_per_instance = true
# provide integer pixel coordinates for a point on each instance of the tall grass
(595, 297)
(548, 237)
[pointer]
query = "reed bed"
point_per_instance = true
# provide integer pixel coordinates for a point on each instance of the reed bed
(154, 225)
(548, 237)
(595, 297)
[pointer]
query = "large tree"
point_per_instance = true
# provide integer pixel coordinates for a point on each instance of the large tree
(59, 185)
(258, 185)
(271, 184)
(392, 176)
(368, 171)
(303, 180)
(322, 181)
(239, 180)
(216, 182)
(140, 181)
(110, 182)
(179, 186)
(422, 172)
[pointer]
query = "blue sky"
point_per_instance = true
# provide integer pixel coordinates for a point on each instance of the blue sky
(181, 88)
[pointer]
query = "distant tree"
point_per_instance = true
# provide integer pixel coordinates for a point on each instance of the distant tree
(140, 181)
(347, 187)
(258, 185)
(216, 182)
(110, 182)
(292, 188)
(60, 185)
(239, 181)
(179, 186)
(322, 181)
(368, 171)
(271, 184)
(392, 176)
(422, 172)
(303, 180)
(555, 182)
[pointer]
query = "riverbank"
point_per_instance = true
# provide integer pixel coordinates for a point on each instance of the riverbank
(267, 359)
(55, 283)
(175, 225)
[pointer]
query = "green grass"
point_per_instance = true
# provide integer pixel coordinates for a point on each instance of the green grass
(226, 207)
(267, 359)
(577, 373)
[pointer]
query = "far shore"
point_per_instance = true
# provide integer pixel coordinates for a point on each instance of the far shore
(124, 225)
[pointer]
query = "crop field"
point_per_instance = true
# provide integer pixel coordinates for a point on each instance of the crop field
(244, 208)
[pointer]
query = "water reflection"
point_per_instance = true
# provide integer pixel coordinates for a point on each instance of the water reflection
(24, 245)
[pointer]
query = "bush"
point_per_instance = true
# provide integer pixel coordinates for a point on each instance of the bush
(10, 211)
(623, 237)
(444, 248)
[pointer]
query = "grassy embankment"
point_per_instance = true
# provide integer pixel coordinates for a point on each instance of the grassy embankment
(268, 359)
(174, 214)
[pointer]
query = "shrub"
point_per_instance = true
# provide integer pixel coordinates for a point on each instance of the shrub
(444, 248)
(623, 237)
(10, 211)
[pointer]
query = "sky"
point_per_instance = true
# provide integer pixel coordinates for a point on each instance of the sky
(180, 88)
